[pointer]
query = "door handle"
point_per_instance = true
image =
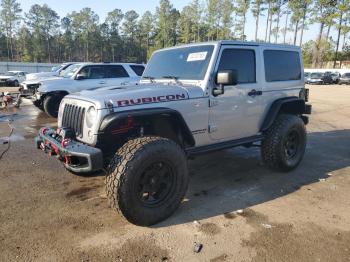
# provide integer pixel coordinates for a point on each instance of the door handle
(255, 93)
(102, 82)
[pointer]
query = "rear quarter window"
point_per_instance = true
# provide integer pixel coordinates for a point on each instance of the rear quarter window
(138, 69)
(282, 65)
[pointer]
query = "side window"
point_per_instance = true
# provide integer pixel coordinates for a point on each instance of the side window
(242, 61)
(138, 69)
(282, 65)
(115, 71)
(92, 72)
(85, 72)
(97, 72)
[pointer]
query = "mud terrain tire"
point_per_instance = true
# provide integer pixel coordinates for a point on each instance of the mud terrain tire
(147, 180)
(284, 145)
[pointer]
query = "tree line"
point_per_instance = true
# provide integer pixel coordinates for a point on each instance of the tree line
(40, 35)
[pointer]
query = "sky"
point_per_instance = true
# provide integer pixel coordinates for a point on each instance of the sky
(102, 7)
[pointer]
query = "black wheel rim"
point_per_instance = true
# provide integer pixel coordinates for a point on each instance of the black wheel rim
(292, 144)
(156, 183)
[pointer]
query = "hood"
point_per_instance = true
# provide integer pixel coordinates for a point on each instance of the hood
(5, 77)
(53, 84)
(132, 95)
(37, 81)
(40, 75)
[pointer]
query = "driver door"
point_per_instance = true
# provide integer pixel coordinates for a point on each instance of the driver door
(93, 77)
(237, 112)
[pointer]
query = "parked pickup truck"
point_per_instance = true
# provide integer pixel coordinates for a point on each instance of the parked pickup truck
(192, 99)
(55, 71)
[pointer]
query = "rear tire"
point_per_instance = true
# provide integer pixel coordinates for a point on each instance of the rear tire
(51, 104)
(284, 145)
(147, 180)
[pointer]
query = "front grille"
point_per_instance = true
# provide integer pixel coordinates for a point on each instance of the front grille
(73, 118)
(33, 87)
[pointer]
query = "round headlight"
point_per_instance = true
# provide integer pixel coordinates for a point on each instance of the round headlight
(91, 116)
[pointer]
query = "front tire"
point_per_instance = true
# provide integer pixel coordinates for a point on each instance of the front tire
(38, 104)
(284, 145)
(147, 180)
(51, 104)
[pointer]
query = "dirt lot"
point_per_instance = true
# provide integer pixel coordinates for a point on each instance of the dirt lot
(48, 214)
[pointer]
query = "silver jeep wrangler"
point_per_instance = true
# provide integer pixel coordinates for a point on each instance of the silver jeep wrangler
(191, 100)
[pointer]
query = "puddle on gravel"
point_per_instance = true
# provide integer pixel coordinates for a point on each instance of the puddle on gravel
(26, 121)
(13, 138)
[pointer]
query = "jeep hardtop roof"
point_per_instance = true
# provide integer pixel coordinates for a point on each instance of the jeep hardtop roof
(106, 63)
(240, 43)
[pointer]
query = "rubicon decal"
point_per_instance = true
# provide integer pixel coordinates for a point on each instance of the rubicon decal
(149, 100)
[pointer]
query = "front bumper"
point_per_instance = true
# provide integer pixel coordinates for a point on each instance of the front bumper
(76, 156)
(344, 81)
(7, 82)
(315, 82)
(25, 91)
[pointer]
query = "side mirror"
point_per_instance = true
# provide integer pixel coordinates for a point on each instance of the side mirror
(224, 78)
(80, 77)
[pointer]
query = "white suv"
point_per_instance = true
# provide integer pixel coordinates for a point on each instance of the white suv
(77, 77)
(193, 99)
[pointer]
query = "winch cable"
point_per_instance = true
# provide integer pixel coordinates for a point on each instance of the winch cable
(9, 139)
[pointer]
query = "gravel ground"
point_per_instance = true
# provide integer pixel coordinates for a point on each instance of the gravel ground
(235, 207)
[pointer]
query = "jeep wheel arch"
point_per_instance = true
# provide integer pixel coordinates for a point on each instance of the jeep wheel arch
(164, 122)
(288, 105)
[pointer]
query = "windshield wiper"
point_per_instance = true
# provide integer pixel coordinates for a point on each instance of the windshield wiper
(175, 78)
(171, 77)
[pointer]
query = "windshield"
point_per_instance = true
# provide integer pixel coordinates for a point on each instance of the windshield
(189, 63)
(316, 75)
(11, 73)
(56, 68)
(69, 71)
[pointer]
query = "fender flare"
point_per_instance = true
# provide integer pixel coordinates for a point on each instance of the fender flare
(290, 105)
(57, 92)
(115, 118)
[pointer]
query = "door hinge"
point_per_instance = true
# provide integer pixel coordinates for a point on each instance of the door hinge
(213, 103)
(212, 128)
